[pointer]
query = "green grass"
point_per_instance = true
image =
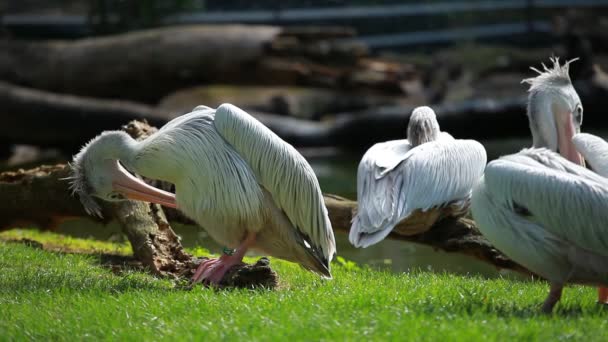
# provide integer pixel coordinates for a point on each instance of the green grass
(49, 295)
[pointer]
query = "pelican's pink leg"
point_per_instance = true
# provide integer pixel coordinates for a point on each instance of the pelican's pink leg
(202, 266)
(212, 271)
(602, 295)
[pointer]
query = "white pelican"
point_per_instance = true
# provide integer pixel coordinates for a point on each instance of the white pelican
(243, 184)
(415, 181)
(545, 212)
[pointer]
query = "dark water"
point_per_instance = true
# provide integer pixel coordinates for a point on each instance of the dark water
(337, 174)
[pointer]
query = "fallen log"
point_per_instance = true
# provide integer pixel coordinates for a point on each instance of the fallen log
(41, 195)
(120, 66)
(35, 117)
(41, 118)
(298, 102)
(146, 65)
(46, 119)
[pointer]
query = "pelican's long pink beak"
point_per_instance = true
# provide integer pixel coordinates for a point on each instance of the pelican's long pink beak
(134, 188)
(565, 132)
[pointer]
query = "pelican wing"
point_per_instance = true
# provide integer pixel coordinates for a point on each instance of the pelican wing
(565, 199)
(390, 154)
(284, 173)
(595, 151)
(430, 175)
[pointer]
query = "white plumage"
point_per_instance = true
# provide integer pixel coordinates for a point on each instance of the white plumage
(543, 211)
(396, 179)
(232, 175)
(547, 208)
(548, 214)
(595, 151)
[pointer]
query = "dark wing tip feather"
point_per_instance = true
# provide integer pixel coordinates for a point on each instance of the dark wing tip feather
(320, 263)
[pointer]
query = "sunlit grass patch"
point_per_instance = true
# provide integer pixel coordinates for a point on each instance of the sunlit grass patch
(50, 295)
(52, 241)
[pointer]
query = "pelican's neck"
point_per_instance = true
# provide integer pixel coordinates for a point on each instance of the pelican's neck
(542, 121)
(116, 145)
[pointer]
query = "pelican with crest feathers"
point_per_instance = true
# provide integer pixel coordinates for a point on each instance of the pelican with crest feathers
(233, 176)
(545, 210)
(410, 184)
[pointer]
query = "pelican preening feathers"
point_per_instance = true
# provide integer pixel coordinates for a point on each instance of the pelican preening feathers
(250, 189)
(232, 175)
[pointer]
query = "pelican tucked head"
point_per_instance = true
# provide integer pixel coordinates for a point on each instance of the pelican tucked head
(423, 126)
(96, 171)
(554, 110)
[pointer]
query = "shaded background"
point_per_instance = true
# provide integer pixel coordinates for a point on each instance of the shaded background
(335, 77)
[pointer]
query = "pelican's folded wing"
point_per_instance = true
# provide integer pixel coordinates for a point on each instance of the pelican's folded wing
(388, 155)
(284, 173)
(430, 175)
(565, 199)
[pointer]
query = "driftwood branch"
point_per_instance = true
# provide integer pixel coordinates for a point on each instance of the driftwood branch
(41, 195)
(449, 235)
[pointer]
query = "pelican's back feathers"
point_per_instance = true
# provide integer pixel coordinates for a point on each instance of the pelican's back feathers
(430, 175)
(213, 177)
(563, 198)
(284, 173)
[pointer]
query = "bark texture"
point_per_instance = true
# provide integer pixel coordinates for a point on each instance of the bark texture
(42, 195)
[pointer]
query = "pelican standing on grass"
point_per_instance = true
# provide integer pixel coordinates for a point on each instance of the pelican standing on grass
(547, 212)
(232, 175)
(414, 181)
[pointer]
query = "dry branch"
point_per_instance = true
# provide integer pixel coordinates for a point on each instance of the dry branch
(42, 195)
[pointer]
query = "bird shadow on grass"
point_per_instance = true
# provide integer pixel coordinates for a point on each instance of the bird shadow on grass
(484, 299)
(563, 311)
(258, 275)
(506, 310)
(506, 307)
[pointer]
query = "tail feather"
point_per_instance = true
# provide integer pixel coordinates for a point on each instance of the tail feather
(362, 238)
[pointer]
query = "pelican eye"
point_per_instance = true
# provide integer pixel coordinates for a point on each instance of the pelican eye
(116, 196)
(578, 114)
